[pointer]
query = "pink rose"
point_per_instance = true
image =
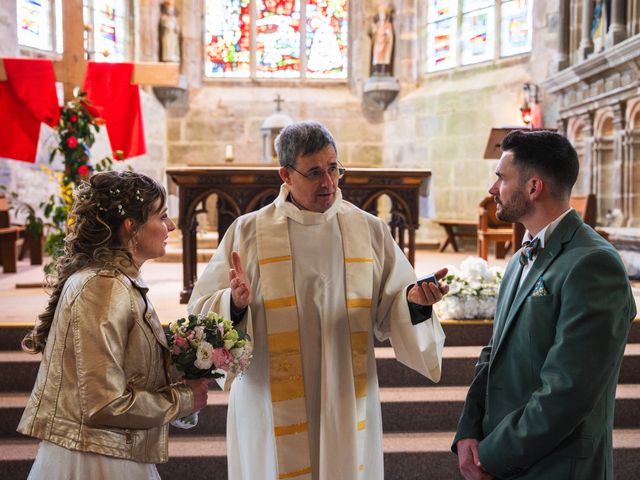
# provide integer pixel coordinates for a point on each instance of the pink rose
(221, 358)
(180, 341)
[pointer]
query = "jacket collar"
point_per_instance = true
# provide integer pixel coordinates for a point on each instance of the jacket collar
(563, 234)
(123, 263)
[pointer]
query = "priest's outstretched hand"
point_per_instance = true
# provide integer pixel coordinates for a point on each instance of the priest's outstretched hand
(241, 294)
(429, 293)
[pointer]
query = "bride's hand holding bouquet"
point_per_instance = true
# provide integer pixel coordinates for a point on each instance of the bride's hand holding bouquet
(207, 346)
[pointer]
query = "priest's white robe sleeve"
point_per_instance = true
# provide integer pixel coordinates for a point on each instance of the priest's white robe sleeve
(212, 293)
(419, 346)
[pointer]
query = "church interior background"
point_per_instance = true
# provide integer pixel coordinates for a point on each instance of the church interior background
(458, 66)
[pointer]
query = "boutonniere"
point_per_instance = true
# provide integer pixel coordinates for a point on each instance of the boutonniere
(539, 290)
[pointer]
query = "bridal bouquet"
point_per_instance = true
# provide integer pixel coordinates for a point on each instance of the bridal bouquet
(207, 346)
(473, 290)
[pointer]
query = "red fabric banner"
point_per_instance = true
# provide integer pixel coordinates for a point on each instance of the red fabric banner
(108, 87)
(27, 99)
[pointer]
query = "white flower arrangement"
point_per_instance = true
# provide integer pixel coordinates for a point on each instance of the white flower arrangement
(473, 290)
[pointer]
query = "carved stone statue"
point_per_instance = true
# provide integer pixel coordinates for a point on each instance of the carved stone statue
(383, 41)
(169, 32)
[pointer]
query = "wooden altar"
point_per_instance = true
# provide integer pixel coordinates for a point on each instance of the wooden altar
(242, 189)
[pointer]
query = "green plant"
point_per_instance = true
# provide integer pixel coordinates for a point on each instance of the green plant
(76, 131)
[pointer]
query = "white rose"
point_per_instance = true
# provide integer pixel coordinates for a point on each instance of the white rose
(204, 356)
(199, 333)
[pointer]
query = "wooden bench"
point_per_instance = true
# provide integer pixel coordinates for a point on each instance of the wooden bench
(457, 229)
(9, 236)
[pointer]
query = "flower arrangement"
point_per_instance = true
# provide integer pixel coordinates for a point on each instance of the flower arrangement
(205, 346)
(75, 132)
(473, 290)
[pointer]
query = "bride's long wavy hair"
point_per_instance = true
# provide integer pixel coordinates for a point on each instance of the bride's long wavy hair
(100, 207)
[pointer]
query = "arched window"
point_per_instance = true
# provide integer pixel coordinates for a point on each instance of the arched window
(107, 24)
(276, 39)
(108, 38)
(466, 32)
(40, 24)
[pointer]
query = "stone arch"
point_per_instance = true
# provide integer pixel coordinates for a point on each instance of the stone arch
(577, 133)
(633, 159)
(607, 169)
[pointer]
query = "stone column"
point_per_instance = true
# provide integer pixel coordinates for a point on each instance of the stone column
(618, 156)
(617, 31)
(589, 150)
(562, 60)
(627, 174)
(586, 42)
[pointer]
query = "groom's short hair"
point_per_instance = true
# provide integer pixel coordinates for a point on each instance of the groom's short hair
(546, 153)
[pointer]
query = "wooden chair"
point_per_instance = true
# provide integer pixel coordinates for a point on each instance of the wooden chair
(490, 229)
(9, 235)
(585, 205)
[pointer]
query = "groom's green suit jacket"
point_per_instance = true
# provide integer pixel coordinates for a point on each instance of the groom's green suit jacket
(542, 399)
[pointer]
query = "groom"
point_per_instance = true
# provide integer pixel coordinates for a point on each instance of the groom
(541, 403)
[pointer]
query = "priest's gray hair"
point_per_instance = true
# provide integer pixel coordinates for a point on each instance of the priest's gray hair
(300, 139)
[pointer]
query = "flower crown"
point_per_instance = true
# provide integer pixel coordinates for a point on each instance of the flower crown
(115, 203)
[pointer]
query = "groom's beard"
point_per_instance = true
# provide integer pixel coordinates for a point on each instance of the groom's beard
(513, 209)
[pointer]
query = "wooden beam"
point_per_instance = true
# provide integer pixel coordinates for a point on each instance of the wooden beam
(73, 63)
(148, 73)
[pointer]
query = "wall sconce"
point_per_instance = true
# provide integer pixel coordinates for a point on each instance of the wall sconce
(529, 104)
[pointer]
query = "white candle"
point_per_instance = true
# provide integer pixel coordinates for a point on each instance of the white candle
(228, 151)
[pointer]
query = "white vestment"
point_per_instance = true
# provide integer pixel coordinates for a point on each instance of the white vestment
(318, 271)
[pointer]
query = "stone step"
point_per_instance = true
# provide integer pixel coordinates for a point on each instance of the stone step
(407, 456)
(403, 410)
(458, 332)
(18, 370)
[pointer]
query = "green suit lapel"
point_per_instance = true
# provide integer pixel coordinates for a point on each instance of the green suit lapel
(507, 293)
(562, 234)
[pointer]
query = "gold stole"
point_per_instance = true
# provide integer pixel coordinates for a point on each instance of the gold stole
(285, 360)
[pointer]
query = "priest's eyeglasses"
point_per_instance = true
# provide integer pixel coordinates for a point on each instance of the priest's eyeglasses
(316, 174)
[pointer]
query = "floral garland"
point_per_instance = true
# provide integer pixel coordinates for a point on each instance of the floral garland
(76, 131)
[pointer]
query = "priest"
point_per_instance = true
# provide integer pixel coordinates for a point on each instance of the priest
(312, 279)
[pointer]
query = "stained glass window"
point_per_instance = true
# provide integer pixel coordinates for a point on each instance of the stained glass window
(327, 38)
(35, 22)
(109, 32)
(465, 32)
(515, 27)
(441, 45)
(441, 9)
(477, 36)
(227, 46)
(276, 38)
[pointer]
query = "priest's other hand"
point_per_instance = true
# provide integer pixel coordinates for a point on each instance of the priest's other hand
(429, 293)
(241, 294)
(469, 461)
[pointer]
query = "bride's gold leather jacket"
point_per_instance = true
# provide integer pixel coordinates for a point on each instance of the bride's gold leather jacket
(103, 384)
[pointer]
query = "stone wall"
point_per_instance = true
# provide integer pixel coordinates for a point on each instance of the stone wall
(443, 124)
(227, 115)
(215, 113)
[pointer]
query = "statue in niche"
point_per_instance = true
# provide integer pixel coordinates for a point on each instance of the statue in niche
(169, 32)
(383, 42)
(600, 23)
